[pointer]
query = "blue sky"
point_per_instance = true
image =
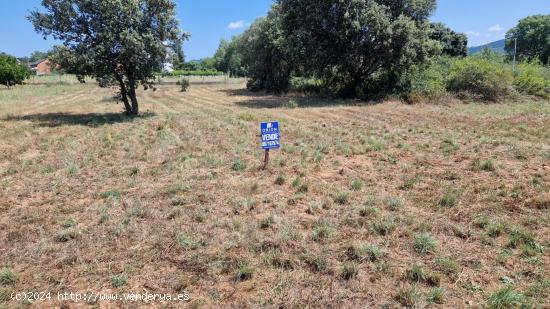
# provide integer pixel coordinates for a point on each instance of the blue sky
(210, 20)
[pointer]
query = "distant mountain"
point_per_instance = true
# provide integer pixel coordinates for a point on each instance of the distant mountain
(497, 46)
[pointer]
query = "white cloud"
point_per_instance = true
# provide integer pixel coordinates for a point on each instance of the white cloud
(496, 28)
(473, 33)
(239, 24)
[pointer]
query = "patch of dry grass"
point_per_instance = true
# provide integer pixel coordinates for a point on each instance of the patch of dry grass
(365, 205)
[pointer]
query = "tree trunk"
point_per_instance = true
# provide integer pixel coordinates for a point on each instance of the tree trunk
(350, 89)
(133, 98)
(124, 94)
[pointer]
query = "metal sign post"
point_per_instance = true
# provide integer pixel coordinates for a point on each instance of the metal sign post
(270, 138)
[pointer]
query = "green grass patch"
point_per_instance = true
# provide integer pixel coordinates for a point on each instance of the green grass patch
(7, 277)
(424, 244)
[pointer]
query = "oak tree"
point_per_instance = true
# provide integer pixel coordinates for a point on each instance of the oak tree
(118, 42)
(533, 39)
(352, 43)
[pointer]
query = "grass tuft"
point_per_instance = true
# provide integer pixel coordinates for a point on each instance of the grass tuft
(280, 180)
(435, 296)
(395, 203)
(449, 146)
(238, 166)
(448, 266)
(322, 230)
(350, 270)
(519, 237)
(449, 199)
(372, 252)
(187, 241)
(416, 274)
(119, 281)
(267, 222)
(424, 244)
(507, 298)
(408, 297)
(243, 272)
(374, 144)
(7, 277)
(357, 185)
(114, 194)
(485, 165)
(66, 234)
(341, 198)
(368, 212)
(384, 226)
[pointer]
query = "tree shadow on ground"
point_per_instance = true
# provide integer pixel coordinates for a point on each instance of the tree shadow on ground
(91, 120)
(291, 100)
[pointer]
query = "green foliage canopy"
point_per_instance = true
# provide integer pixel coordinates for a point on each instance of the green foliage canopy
(118, 42)
(454, 44)
(474, 75)
(38, 55)
(266, 53)
(347, 43)
(533, 79)
(11, 72)
(533, 39)
(205, 64)
(228, 58)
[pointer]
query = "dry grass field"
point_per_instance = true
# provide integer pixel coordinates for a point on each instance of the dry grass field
(366, 205)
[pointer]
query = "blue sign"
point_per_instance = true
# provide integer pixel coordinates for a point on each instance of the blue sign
(270, 135)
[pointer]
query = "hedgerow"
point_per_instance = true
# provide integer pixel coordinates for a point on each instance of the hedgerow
(533, 79)
(178, 73)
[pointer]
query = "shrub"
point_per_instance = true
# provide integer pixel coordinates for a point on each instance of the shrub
(533, 79)
(306, 85)
(11, 72)
(292, 103)
(184, 84)
(488, 80)
(427, 82)
(114, 194)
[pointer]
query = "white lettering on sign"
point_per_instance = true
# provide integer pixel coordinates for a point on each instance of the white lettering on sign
(271, 137)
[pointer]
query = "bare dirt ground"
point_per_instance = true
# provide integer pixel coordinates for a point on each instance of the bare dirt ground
(366, 205)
